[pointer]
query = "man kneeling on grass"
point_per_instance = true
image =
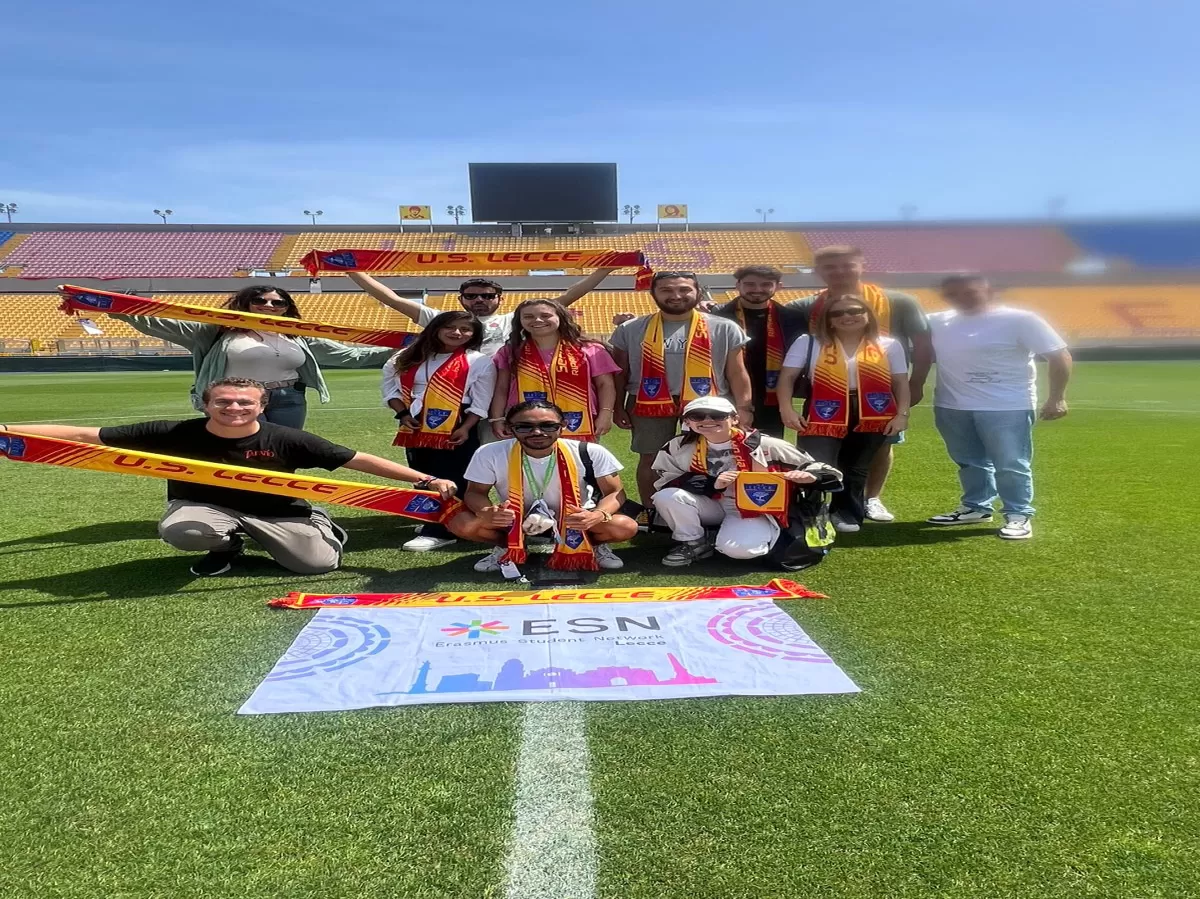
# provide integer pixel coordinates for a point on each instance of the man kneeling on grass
(203, 518)
(544, 485)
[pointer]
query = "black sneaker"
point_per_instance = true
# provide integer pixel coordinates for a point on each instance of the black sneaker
(219, 561)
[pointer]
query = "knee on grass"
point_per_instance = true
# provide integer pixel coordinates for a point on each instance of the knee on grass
(194, 536)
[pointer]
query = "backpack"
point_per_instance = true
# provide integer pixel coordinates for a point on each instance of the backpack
(809, 535)
(629, 507)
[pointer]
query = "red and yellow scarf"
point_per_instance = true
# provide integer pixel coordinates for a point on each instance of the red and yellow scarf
(422, 505)
(564, 382)
(742, 454)
(319, 261)
(755, 491)
(829, 406)
(654, 398)
(441, 404)
(574, 552)
(774, 348)
(872, 296)
(90, 300)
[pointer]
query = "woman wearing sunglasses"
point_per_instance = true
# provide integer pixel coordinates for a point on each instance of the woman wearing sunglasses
(285, 365)
(857, 396)
(695, 472)
(556, 363)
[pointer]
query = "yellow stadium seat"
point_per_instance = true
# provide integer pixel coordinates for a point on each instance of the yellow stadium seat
(1087, 314)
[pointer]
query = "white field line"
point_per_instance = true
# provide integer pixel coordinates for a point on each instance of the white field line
(552, 850)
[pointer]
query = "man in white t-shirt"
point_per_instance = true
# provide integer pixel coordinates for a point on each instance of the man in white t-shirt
(536, 426)
(985, 398)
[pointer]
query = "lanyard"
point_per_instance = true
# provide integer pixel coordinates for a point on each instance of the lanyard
(538, 489)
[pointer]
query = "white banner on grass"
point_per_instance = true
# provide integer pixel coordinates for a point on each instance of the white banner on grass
(363, 657)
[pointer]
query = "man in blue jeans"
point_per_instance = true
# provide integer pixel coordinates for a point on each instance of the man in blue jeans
(985, 398)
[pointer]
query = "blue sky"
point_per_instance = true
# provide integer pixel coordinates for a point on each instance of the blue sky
(256, 110)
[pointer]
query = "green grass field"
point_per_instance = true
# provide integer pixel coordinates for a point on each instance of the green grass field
(1028, 726)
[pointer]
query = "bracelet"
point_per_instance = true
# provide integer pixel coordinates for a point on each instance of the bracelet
(425, 483)
(607, 515)
(494, 420)
(606, 409)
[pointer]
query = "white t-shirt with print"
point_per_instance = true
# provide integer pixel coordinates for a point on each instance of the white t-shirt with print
(489, 465)
(496, 328)
(797, 357)
(985, 361)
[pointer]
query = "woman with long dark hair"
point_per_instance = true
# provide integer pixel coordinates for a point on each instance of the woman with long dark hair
(285, 365)
(548, 358)
(439, 387)
(857, 397)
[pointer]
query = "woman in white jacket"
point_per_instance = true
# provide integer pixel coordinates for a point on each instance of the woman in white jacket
(695, 472)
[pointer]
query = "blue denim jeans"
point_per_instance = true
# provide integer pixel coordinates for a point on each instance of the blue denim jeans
(286, 406)
(994, 452)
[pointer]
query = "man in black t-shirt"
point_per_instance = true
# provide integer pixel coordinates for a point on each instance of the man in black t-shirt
(756, 286)
(204, 518)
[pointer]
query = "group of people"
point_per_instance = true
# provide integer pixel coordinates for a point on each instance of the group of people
(504, 410)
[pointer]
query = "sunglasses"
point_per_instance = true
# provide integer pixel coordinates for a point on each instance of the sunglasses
(480, 296)
(274, 304)
(842, 313)
(706, 416)
(542, 427)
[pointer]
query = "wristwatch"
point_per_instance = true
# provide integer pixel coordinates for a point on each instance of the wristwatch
(424, 483)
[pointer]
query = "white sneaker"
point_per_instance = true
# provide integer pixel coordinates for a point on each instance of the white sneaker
(491, 562)
(1016, 527)
(844, 525)
(607, 559)
(877, 511)
(427, 544)
(961, 515)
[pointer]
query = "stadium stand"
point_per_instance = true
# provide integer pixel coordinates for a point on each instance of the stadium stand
(141, 254)
(711, 252)
(4, 238)
(441, 242)
(1093, 314)
(947, 249)
(1140, 244)
(699, 251)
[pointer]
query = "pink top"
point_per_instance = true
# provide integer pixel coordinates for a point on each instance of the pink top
(599, 362)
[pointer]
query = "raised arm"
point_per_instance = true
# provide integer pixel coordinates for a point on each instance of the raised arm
(584, 286)
(1059, 363)
(387, 296)
(63, 432)
(182, 333)
(385, 468)
(335, 354)
(739, 385)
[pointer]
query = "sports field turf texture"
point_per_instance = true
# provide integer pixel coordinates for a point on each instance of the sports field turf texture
(1028, 726)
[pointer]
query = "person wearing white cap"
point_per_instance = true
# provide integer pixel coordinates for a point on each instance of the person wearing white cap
(695, 470)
